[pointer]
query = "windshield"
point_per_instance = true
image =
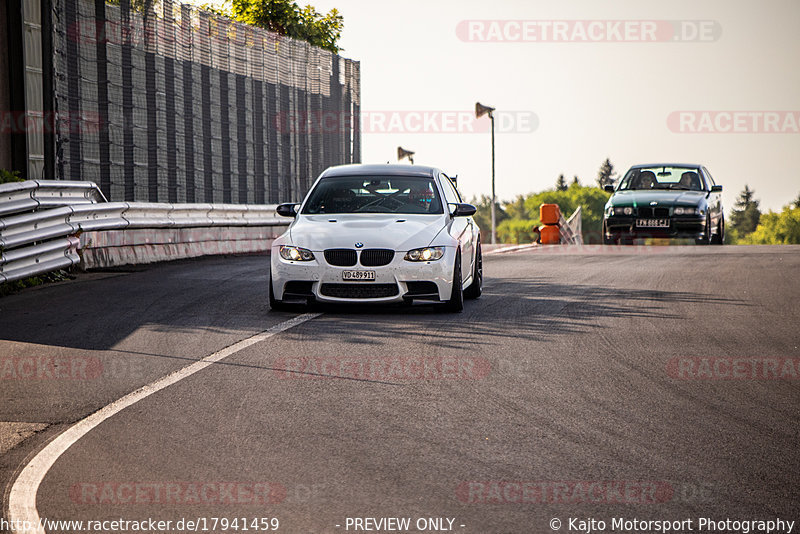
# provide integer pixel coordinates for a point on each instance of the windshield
(662, 177)
(374, 194)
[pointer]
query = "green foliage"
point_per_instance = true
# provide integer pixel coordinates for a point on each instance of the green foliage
(776, 228)
(9, 176)
(139, 6)
(9, 288)
(287, 18)
(605, 176)
(522, 214)
(516, 208)
(517, 231)
(731, 235)
(561, 183)
(483, 217)
(592, 201)
(745, 215)
(223, 10)
(284, 17)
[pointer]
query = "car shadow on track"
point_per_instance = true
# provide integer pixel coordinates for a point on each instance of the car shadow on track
(532, 309)
(221, 295)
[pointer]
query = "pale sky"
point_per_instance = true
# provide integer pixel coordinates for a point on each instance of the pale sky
(592, 99)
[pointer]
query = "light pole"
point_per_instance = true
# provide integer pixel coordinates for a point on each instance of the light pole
(481, 110)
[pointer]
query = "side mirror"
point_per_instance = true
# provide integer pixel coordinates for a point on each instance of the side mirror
(462, 210)
(286, 210)
(716, 188)
(608, 188)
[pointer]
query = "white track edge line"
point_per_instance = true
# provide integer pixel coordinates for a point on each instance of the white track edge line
(22, 498)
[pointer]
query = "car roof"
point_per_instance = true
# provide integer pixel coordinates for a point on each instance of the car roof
(686, 165)
(384, 169)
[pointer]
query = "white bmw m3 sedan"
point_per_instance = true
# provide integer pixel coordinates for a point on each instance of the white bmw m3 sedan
(378, 234)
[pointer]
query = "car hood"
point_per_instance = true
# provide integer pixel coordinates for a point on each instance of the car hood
(397, 232)
(662, 197)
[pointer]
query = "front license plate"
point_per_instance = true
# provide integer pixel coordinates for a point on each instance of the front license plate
(358, 275)
(652, 223)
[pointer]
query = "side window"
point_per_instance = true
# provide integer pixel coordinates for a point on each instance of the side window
(453, 185)
(709, 179)
(450, 194)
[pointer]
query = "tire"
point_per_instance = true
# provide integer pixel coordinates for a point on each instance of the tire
(707, 239)
(456, 302)
(275, 304)
(719, 239)
(476, 287)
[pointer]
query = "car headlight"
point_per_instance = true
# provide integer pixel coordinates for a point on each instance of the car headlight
(296, 253)
(620, 210)
(425, 254)
(684, 210)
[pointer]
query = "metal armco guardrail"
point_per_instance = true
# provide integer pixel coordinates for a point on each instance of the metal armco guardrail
(47, 225)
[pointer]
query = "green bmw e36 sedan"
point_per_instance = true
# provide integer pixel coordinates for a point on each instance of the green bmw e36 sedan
(666, 200)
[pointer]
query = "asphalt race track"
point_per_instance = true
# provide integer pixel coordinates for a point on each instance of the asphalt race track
(656, 383)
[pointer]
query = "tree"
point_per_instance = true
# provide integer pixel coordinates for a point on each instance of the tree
(592, 201)
(575, 180)
(605, 176)
(483, 217)
(746, 215)
(777, 228)
(517, 231)
(561, 183)
(139, 6)
(287, 18)
(796, 202)
(516, 209)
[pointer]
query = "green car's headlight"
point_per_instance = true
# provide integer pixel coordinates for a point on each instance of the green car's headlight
(425, 254)
(620, 210)
(690, 210)
(296, 253)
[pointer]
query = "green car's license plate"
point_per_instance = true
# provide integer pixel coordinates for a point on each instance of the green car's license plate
(652, 223)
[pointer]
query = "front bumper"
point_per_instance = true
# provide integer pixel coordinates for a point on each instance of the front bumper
(679, 228)
(320, 281)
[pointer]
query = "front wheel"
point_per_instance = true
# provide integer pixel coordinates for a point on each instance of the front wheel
(456, 302)
(706, 239)
(719, 239)
(476, 287)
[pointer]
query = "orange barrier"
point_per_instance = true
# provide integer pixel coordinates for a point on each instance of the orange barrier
(549, 214)
(550, 234)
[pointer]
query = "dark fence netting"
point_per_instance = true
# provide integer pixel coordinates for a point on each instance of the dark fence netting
(180, 105)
